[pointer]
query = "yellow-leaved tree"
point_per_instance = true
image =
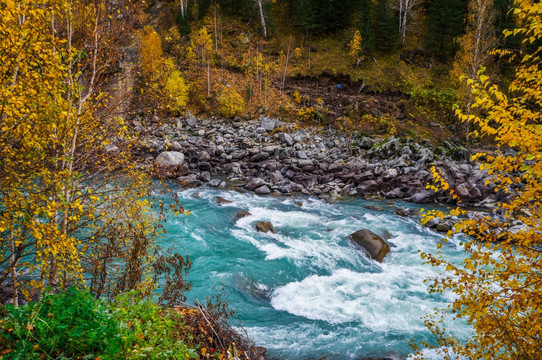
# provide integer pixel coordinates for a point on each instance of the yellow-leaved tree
(74, 210)
(498, 287)
(165, 88)
(355, 48)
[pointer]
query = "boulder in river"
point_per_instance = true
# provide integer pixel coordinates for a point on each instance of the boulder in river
(376, 247)
(265, 226)
(242, 214)
(221, 201)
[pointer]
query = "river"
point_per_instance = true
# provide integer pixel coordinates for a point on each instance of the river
(306, 291)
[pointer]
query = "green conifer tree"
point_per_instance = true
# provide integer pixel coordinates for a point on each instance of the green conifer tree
(445, 23)
(386, 35)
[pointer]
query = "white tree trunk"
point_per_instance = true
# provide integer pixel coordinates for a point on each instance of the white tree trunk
(407, 9)
(183, 4)
(262, 18)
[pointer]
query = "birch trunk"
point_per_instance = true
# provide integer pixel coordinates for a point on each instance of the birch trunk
(262, 18)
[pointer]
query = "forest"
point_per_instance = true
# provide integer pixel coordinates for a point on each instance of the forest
(113, 111)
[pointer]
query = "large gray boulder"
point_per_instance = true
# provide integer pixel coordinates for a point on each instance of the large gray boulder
(169, 160)
(376, 247)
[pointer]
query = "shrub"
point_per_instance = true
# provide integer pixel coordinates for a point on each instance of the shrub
(176, 92)
(75, 325)
(61, 326)
(231, 103)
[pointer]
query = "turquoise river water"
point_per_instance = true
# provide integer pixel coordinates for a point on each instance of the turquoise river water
(306, 291)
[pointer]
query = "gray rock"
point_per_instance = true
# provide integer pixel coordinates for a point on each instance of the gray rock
(463, 191)
(394, 194)
(254, 183)
(214, 182)
(402, 211)
(376, 247)
(366, 143)
(390, 174)
(286, 139)
(267, 123)
(262, 190)
(191, 120)
(204, 176)
(424, 196)
(169, 160)
(433, 222)
(366, 187)
(301, 155)
(204, 156)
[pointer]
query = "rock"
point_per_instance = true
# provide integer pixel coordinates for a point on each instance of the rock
(221, 201)
(262, 190)
(242, 214)
(286, 139)
(376, 247)
(267, 123)
(191, 120)
(366, 143)
(423, 196)
(265, 226)
(390, 174)
(463, 191)
(445, 226)
(402, 211)
(254, 183)
(301, 155)
(366, 187)
(204, 176)
(394, 194)
(214, 182)
(433, 222)
(169, 160)
(204, 156)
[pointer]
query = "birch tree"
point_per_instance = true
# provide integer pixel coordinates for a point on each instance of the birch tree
(262, 17)
(407, 9)
(475, 47)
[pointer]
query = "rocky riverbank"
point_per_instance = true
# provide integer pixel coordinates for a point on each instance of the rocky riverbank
(271, 157)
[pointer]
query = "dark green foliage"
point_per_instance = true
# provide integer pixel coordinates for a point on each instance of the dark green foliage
(324, 16)
(365, 25)
(444, 24)
(203, 8)
(69, 325)
(243, 9)
(73, 325)
(386, 33)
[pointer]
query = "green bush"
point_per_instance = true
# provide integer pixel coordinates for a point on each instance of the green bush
(69, 325)
(73, 325)
(148, 331)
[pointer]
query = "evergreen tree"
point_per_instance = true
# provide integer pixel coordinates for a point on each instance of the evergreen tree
(365, 25)
(324, 16)
(386, 35)
(445, 23)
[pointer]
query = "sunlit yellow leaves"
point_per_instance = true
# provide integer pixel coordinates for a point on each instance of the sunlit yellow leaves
(498, 285)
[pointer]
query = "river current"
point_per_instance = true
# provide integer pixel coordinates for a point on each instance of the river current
(307, 291)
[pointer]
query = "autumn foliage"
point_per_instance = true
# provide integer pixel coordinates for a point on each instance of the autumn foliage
(498, 286)
(74, 209)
